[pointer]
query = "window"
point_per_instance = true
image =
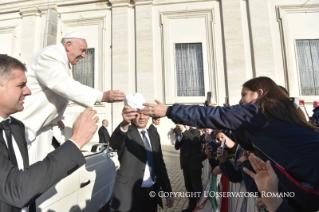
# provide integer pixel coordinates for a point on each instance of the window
(308, 62)
(189, 69)
(83, 71)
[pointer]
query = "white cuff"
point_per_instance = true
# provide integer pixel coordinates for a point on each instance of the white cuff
(75, 143)
(99, 97)
(183, 130)
(122, 129)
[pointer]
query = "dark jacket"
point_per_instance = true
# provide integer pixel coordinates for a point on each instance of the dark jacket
(154, 129)
(19, 188)
(190, 150)
(292, 149)
(284, 207)
(132, 157)
(104, 136)
(234, 172)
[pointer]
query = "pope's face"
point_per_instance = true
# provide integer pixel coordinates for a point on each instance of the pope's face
(13, 92)
(76, 50)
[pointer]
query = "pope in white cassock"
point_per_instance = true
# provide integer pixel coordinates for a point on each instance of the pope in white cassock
(50, 80)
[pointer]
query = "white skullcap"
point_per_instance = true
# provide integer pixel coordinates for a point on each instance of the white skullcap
(135, 100)
(73, 35)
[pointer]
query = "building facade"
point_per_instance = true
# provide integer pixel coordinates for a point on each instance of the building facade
(174, 50)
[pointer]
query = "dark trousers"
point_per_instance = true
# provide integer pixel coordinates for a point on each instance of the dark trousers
(193, 183)
(144, 202)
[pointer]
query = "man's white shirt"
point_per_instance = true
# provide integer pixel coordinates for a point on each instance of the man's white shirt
(179, 138)
(147, 180)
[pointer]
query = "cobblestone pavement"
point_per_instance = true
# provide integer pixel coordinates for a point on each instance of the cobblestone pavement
(175, 174)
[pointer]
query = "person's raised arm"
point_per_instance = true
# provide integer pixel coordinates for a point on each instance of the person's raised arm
(117, 139)
(51, 73)
(84, 127)
(236, 117)
(267, 181)
(128, 115)
(155, 110)
(21, 187)
(113, 96)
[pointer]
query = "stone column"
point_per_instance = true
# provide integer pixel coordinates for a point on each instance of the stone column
(235, 63)
(29, 33)
(123, 74)
(263, 54)
(52, 25)
(144, 49)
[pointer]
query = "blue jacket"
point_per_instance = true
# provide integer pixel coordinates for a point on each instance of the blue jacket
(236, 174)
(293, 150)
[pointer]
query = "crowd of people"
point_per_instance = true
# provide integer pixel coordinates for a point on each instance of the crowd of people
(263, 144)
(268, 138)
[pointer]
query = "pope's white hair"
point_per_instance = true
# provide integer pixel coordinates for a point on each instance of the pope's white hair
(65, 40)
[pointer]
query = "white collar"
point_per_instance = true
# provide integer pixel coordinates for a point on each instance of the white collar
(140, 130)
(60, 45)
(2, 119)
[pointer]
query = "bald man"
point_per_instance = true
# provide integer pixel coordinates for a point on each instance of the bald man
(49, 75)
(104, 136)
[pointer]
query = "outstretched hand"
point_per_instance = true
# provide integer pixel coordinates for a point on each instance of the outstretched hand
(113, 96)
(266, 181)
(221, 157)
(84, 127)
(128, 115)
(265, 177)
(155, 110)
(169, 202)
(61, 125)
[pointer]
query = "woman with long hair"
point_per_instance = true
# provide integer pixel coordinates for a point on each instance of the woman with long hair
(268, 122)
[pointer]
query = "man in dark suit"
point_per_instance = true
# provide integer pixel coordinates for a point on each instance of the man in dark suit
(153, 127)
(103, 133)
(20, 183)
(155, 122)
(142, 169)
(188, 141)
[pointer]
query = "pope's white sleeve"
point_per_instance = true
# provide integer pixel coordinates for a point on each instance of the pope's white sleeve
(50, 72)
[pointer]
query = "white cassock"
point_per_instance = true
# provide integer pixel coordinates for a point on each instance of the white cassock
(50, 80)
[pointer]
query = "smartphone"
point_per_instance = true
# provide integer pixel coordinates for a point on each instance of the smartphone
(208, 98)
(223, 146)
(227, 102)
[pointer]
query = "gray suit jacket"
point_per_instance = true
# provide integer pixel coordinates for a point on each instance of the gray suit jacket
(132, 157)
(20, 188)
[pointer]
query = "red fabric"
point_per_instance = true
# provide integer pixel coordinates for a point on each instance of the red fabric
(224, 201)
(295, 181)
(198, 207)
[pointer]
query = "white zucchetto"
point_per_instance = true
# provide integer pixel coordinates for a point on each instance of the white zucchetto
(73, 35)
